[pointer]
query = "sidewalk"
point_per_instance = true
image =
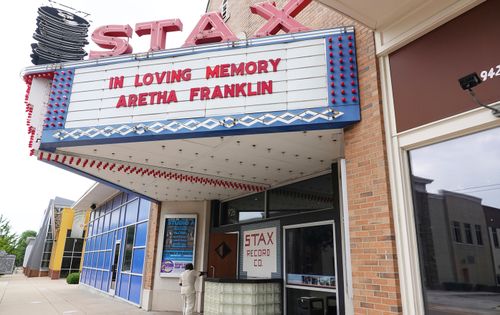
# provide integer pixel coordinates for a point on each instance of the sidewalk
(22, 296)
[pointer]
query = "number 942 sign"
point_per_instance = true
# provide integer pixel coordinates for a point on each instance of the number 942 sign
(490, 74)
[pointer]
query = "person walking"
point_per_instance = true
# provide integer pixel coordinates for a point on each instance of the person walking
(188, 292)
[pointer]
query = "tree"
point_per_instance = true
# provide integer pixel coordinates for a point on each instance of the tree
(7, 238)
(21, 246)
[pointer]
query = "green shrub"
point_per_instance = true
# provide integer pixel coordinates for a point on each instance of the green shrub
(73, 278)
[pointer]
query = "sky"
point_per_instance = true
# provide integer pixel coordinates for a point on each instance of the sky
(27, 184)
(468, 165)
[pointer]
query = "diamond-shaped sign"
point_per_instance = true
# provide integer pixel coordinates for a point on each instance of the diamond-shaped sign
(223, 250)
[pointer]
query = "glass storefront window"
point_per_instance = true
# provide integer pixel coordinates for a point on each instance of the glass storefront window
(244, 209)
(310, 256)
(129, 243)
(456, 196)
(311, 194)
(310, 270)
(318, 193)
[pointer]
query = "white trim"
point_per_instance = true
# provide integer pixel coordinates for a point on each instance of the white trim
(346, 239)
(404, 222)
(309, 288)
(475, 120)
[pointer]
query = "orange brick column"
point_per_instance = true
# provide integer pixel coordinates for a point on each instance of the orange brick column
(151, 246)
(373, 247)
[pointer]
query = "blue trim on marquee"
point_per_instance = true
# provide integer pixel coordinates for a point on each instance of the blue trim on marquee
(350, 115)
(347, 102)
(100, 180)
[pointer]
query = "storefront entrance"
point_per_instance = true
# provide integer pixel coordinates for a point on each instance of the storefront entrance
(290, 233)
(309, 268)
(114, 268)
(223, 255)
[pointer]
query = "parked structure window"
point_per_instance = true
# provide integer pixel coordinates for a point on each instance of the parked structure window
(72, 255)
(468, 233)
(47, 247)
(479, 235)
(495, 238)
(457, 232)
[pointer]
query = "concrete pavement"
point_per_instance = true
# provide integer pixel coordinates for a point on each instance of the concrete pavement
(20, 295)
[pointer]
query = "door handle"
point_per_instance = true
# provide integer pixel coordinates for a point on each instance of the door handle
(213, 271)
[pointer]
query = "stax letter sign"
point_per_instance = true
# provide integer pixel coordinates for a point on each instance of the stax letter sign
(210, 29)
(259, 252)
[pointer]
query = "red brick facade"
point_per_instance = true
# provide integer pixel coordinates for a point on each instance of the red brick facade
(34, 273)
(373, 247)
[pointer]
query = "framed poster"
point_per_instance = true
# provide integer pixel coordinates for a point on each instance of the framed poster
(179, 244)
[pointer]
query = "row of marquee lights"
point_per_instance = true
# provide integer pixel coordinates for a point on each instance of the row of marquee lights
(74, 161)
(210, 29)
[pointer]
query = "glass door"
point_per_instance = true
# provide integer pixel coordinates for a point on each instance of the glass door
(114, 268)
(310, 269)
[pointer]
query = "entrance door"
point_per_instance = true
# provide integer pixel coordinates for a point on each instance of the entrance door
(310, 269)
(114, 268)
(223, 255)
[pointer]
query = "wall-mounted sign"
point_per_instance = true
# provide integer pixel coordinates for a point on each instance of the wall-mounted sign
(259, 252)
(283, 83)
(179, 241)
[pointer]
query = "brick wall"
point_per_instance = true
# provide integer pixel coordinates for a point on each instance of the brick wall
(151, 246)
(373, 248)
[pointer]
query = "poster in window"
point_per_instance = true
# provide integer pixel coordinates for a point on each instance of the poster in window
(179, 240)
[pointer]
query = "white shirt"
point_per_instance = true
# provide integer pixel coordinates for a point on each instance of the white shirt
(187, 279)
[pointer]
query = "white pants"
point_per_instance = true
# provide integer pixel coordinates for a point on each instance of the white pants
(188, 303)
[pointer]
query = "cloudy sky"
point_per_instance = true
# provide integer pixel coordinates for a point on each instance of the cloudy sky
(468, 165)
(27, 184)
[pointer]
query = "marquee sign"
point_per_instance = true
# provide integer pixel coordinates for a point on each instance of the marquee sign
(284, 83)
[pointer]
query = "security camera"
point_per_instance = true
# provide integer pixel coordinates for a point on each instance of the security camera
(93, 206)
(469, 81)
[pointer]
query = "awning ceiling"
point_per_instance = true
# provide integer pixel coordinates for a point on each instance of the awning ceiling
(206, 168)
(96, 194)
(381, 13)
